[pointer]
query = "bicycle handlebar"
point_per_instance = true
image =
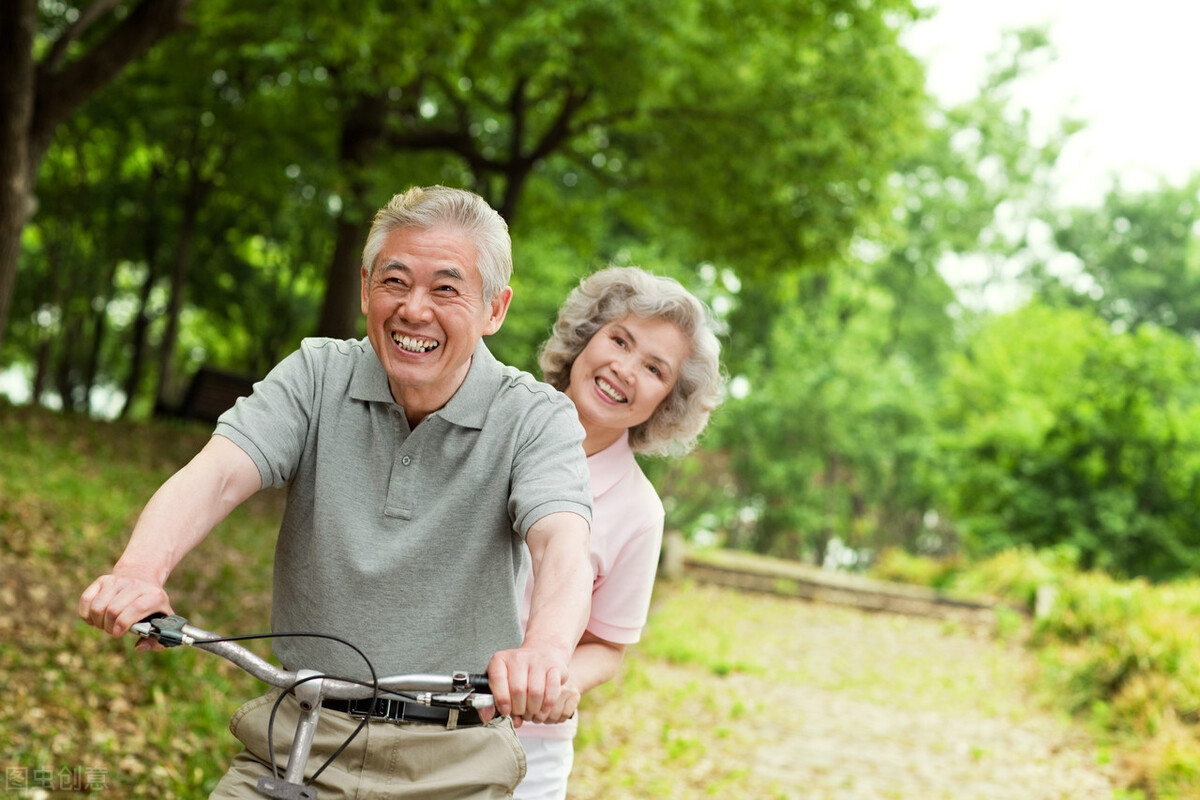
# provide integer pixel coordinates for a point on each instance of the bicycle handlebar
(457, 689)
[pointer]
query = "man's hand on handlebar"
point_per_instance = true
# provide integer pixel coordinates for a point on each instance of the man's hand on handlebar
(115, 602)
(527, 683)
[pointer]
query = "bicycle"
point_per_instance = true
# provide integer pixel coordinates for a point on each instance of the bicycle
(458, 692)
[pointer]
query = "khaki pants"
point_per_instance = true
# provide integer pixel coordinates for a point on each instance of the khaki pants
(410, 760)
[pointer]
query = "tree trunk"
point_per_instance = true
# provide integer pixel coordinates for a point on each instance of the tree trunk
(182, 265)
(37, 97)
(18, 25)
(141, 330)
(41, 371)
(362, 133)
(99, 332)
(141, 324)
(342, 307)
(66, 375)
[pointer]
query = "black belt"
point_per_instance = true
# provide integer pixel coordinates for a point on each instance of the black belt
(390, 710)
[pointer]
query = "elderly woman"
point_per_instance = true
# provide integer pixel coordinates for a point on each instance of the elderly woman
(637, 354)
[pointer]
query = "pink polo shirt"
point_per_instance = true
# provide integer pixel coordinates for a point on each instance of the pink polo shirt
(627, 529)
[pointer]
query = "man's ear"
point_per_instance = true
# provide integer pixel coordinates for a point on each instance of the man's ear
(365, 293)
(499, 309)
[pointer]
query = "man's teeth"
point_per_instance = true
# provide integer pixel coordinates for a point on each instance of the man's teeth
(610, 390)
(414, 344)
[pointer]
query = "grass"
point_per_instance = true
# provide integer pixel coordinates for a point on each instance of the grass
(718, 682)
(83, 703)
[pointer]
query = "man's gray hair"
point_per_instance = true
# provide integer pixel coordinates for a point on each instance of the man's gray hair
(429, 207)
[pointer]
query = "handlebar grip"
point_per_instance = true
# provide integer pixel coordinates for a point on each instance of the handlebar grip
(479, 683)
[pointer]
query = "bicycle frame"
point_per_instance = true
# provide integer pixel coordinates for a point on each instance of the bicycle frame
(457, 691)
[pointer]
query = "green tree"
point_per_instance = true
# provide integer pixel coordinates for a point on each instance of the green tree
(57, 55)
(836, 434)
(759, 124)
(830, 439)
(1060, 431)
(1136, 259)
(201, 165)
(607, 125)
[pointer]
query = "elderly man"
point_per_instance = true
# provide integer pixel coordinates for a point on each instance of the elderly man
(420, 471)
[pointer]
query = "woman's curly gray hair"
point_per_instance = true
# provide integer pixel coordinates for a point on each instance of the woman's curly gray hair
(615, 293)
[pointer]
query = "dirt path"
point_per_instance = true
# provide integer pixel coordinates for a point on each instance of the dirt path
(832, 703)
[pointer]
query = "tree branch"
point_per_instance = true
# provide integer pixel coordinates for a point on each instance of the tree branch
(60, 92)
(561, 129)
(58, 50)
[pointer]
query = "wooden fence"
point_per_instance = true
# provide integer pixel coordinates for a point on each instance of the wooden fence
(751, 572)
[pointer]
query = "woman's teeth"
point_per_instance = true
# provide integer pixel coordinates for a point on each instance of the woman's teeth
(610, 390)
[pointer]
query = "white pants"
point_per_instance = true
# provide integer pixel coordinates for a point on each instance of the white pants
(548, 765)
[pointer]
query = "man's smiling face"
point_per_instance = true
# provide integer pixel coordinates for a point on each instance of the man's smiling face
(426, 313)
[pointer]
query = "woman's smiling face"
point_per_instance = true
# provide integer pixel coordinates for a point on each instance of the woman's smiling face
(622, 375)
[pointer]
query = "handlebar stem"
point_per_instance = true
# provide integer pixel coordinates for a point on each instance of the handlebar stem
(308, 693)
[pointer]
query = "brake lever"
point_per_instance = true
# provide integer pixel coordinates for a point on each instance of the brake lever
(166, 629)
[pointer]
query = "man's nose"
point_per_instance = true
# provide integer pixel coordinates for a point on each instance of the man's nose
(416, 306)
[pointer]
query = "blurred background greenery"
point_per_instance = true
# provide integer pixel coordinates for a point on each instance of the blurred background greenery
(200, 195)
(188, 183)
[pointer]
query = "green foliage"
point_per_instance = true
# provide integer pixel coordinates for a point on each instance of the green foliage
(834, 435)
(826, 390)
(900, 566)
(1059, 431)
(1125, 652)
(1135, 260)
(210, 210)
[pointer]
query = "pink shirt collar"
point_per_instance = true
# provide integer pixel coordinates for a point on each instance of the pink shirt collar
(610, 465)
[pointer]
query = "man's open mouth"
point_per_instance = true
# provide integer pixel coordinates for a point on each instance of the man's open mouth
(414, 344)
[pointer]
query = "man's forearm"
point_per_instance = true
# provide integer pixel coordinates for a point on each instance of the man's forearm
(186, 508)
(562, 583)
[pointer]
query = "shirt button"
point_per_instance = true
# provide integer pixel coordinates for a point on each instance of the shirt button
(406, 461)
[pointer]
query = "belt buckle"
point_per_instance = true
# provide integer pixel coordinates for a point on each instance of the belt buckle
(379, 708)
(360, 708)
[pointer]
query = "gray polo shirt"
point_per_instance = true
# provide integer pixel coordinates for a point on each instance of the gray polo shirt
(407, 542)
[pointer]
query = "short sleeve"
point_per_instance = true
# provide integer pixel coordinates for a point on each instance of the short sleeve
(272, 423)
(549, 471)
(621, 597)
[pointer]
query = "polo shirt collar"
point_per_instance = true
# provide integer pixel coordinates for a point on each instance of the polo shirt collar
(611, 464)
(468, 407)
(369, 382)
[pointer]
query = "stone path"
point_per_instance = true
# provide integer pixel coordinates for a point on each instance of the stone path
(845, 705)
